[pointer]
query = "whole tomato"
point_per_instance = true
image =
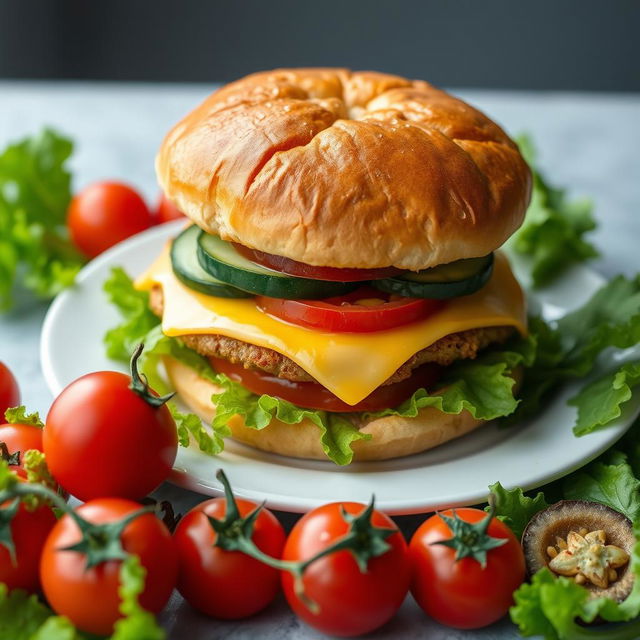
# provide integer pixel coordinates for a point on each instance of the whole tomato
(9, 391)
(19, 438)
(104, 439)
(105, 213)
(220, 583)
(30, 528)
(89, 596)
(167, 211)
(461, 593)
(350, 601)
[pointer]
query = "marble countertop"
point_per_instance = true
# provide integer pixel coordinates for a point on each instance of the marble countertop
(588, 142)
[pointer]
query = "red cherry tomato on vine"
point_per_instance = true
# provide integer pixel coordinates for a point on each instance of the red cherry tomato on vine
(30, 529)
(19, 438)
(226, 584)
(89, 597)
(103, 439)
(9, 391)
(463, 594)
(105, 213)
(350, 602)
(167, 211)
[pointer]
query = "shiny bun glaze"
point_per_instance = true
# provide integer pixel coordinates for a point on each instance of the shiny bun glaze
(346, 169)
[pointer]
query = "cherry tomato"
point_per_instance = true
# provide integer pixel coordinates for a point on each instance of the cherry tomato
(360, 311)
(167, 211)
(9, 391)
(104, 214)
(350, 602)
(461, 593)
(19, 438)
(30, 529)
(89, 597)
(103, 439)
(314, 396)
(226, 584)
(302, 270)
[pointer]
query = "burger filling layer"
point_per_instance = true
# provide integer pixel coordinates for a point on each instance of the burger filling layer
(350, 366)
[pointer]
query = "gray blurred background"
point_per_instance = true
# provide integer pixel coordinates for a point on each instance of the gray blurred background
(546, 44)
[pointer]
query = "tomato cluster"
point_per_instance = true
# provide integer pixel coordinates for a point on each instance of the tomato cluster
(344, 568)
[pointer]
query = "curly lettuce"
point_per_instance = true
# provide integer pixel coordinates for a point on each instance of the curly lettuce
(35, 191)
(25, 617)
(609, 320)
(553, 233)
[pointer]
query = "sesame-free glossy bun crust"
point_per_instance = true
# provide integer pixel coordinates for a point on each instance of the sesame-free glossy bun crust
(346, 169)
(391, 436)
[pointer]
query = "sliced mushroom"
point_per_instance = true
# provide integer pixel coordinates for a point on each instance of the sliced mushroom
(585, 540)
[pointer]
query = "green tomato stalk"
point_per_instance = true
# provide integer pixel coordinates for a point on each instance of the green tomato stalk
(362, 540)
(99, 542)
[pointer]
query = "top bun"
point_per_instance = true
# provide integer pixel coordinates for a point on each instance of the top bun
(346, 169)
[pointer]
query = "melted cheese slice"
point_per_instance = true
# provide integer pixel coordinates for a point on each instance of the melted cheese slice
(350, 365)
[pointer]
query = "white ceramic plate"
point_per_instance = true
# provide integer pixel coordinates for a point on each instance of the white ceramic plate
(454, 474)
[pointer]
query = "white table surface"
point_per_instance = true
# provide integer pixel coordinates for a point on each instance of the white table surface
(588, 142)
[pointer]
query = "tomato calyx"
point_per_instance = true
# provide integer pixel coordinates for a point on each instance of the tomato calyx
(471, 540)
(140, 386)
(99, 542)
(363, 540)
(12, 459)
(103, 542)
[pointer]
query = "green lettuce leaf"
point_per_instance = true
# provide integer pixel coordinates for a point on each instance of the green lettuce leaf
(57, 628)
(141, 325)
(611, 481)
(190, 426)
(25, 617)
(20, 614)
(337, 433)
(137, 317)
(35, 191)
(600, 401)
(554, 228)
(514, 508)
(611, 318)
(483, 387)
(19, 415)
(137, 624)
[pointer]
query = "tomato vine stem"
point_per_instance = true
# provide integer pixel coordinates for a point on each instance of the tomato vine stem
(363, 540)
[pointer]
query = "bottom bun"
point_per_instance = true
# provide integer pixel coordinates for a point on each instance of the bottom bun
(391, 436)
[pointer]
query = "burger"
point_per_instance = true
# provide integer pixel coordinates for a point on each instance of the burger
(341, 264)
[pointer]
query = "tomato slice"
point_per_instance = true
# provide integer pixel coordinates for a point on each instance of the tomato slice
(312, 395)
(302, 270)
(365, 309)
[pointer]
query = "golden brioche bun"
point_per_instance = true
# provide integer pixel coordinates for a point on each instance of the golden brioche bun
(392, 436)
(346, 169)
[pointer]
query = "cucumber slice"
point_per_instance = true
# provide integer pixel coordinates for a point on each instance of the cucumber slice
(452, 280)
(222, 261)
(187, 269)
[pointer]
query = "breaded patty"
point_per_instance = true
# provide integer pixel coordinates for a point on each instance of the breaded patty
(455, 346)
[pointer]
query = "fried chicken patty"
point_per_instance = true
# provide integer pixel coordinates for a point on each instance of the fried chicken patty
(455, 346)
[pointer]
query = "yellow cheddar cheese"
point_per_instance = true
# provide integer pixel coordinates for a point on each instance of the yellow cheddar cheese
(350, 365)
